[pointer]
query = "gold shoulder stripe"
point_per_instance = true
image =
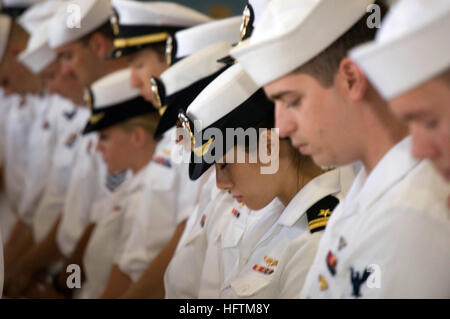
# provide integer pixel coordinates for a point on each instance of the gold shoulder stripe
(319, 213)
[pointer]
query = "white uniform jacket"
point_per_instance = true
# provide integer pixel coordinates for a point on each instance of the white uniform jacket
(389, 238)
(278, 263)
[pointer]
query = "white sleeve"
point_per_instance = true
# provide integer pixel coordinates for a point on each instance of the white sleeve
(42, 141)
(414, 263)
(84, 189)
(300, 256)
(131, 254)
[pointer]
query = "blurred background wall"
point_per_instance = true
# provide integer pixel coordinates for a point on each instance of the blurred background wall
(215, 8)
(223, 8)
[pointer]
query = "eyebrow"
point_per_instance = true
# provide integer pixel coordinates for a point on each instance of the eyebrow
(279, 95)
(60, 55)
(415, 115)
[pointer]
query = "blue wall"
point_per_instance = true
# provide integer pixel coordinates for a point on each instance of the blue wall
(235, 7)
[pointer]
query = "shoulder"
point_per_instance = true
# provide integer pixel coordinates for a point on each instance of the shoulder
(319, 213)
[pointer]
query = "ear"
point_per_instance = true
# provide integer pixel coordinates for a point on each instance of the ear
(139, 137)
(100, 45)
(268, 136)
(353, 79)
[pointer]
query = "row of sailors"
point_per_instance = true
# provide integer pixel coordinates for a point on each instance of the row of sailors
(173, 228)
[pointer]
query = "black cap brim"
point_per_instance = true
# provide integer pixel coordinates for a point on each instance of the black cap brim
(249, 114)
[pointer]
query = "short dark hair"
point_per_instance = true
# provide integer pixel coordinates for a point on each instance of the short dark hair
(324, 66)
(160, 49)
(105, 30)
(446, 76)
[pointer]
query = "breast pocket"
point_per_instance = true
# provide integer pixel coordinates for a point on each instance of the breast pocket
(233, 233)
(251, 285)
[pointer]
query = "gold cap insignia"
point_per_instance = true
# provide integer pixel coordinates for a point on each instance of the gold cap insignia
(87, 97)
(114, 20)
(169, 50)
(183, 122)
(95, 118)
(155, 91)
(246, 17)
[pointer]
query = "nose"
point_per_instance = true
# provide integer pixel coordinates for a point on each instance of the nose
(283, 121)
(65, 68)
(222, 180)
(423, 145)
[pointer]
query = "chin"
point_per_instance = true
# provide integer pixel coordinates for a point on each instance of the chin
(256, 206)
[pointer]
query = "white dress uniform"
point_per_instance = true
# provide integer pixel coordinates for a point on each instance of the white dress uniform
(233, 221)
(389, 238)
(20, 119)
(183, 275)
(7, 217)
(269, 271)
(114, 224)
(88, 184)
(241, 236)
(170, 198)
(6, 103)
(44, 134)
(52, 202)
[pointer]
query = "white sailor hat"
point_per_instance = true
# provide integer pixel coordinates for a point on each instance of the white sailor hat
(38, 55)
(15, 8)
(5, 26)
(292, 32)
(112, 101)
(251, 16)
(31, 19)
(410, 48)
(180, 84)
(188, 41)
(232, 100)
(139, 24)
(76, 19)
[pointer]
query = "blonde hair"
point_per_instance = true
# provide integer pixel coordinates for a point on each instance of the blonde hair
(148, 122)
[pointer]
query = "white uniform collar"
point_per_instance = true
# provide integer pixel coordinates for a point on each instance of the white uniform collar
(395, 164)
(134, 182)
(321, 186)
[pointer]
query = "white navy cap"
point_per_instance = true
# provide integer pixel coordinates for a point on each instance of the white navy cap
(33, 17)
(112, 100)
(38, 55)
(232, 100)
(65, 27)
(249, 19)
(251, 15)
(292, 32)
(5, 26)
(139, 24)
(15, 8)
(411, 47)
(193, 39)
(180, 84)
